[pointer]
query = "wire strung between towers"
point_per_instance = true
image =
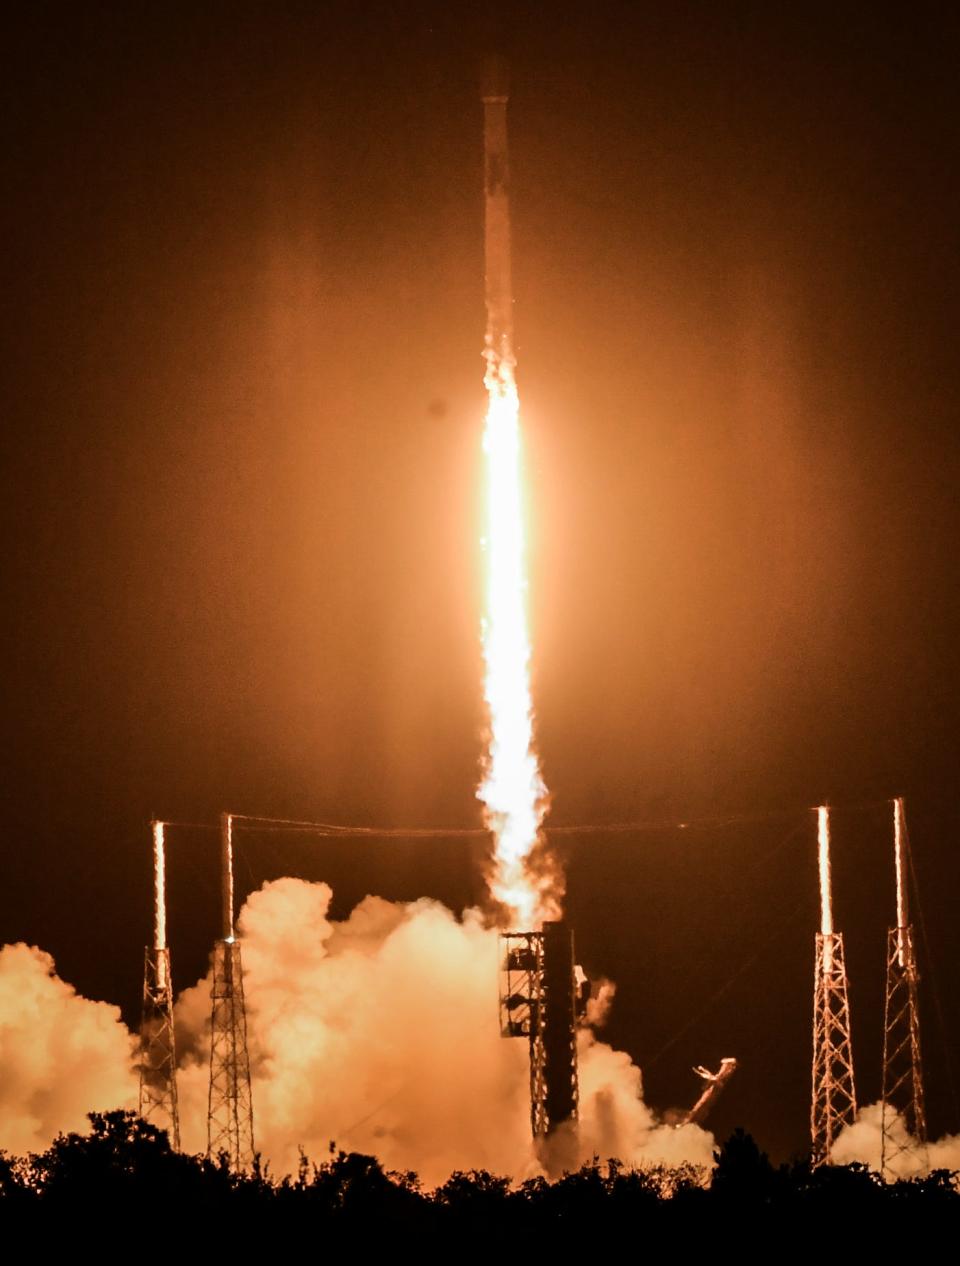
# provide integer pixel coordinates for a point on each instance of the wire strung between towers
(263, 823)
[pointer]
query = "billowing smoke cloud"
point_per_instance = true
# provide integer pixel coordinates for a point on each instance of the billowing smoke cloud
(862, 1142)
(61, 1055)
(380, 1033)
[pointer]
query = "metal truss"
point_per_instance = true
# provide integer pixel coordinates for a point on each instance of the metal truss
(158, 1057)
(538, 1001)
(230, 1103)
(902, 1097)
(521, 1011)
(834, 1097)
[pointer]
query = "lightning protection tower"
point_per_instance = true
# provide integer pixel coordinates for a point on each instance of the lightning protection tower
(834, 1097)
(230, 1101)
(158, 1056)
(903, 1119)
(538, 1001)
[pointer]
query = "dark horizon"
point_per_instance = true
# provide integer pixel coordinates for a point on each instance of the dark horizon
(241, 470)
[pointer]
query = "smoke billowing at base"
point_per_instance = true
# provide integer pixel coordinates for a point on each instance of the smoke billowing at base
(862, 1142)
(61, 1055)
(378, 1033)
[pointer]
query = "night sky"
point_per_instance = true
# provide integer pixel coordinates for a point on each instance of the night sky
(243, 302)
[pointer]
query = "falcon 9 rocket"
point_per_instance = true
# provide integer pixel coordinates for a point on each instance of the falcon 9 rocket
(499, 287)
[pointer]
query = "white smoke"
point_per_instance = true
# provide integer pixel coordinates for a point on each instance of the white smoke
(862, 1142)
(381, 1033)
(61, 1055)
(600, 1003)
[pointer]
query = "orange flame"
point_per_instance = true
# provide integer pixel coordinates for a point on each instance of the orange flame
(512, 790)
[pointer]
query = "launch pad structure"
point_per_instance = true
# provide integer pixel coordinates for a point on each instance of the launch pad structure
(539, 1002)
(542, 999)
(714, 1084)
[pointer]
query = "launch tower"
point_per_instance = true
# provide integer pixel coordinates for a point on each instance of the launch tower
(158, 1057)
(902, 1096)
(539, 1002)
(230, 1101)
(834, 1097)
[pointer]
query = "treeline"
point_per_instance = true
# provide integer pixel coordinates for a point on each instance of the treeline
(125, 1170)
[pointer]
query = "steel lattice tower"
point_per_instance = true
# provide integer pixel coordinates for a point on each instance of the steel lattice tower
(158, 1056)
(521, 1011)
(834, 1101)
(902, 1097)
(833, 1091)
(230, 1101)
(538, 1001)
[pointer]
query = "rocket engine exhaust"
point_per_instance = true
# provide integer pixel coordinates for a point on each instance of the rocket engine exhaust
(512, 788)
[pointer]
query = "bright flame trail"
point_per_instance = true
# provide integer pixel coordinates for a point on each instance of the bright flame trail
(512, 790)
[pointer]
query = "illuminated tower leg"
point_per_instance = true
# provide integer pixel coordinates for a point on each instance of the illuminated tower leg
(833, 1093)
(230, 1101)
(158, 1058)
(902, 1097)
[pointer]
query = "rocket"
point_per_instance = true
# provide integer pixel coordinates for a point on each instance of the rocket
(496, 184)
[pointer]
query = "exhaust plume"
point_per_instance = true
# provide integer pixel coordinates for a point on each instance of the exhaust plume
(512, 789)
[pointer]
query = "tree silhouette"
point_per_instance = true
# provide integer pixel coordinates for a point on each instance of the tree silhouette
(125, 1168)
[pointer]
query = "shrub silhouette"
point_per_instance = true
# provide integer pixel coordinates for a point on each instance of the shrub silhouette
(125, 1168)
